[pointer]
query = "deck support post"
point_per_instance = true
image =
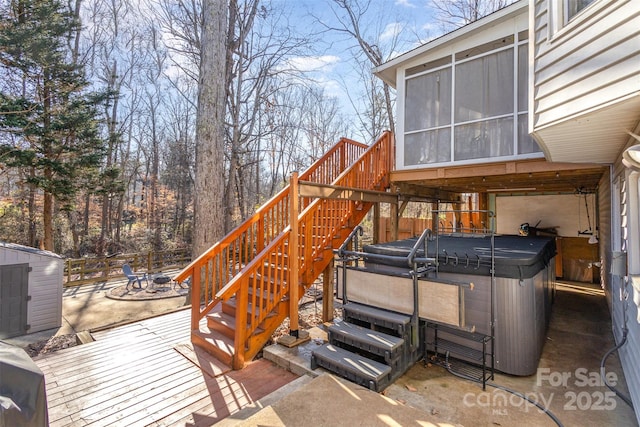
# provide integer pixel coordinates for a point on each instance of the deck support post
(294, 285)
(435, 221)
(395, 220)
(483, 207)
(327, 291)
(376, 223)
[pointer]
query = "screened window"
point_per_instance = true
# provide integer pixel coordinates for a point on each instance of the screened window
(470, 107)
(489, 138)
(428, 103)
(484, 87)
(433, 146)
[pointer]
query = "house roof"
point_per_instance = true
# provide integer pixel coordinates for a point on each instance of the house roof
(387, 71)
(28, 249)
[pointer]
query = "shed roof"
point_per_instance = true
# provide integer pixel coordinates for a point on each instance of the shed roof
(28, 249)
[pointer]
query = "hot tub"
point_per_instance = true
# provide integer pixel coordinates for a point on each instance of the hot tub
(524, 280)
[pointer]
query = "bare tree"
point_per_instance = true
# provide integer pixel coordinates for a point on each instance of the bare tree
(259, 43)
(352, 19)
(209, 223)
(457, 13)
(322, 122)
(178, 160)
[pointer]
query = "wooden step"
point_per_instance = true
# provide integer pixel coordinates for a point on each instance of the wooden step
(225, 324)
(215, 343)
(276, 268)
(265, 279)
(361, 370)
(229, 307)
(377, 343)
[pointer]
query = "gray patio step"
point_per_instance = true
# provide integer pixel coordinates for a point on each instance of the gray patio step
(397, 322)
(363, 371)
(378, 343)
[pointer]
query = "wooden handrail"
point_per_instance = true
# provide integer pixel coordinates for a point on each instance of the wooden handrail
(217, 267)
(317, 224)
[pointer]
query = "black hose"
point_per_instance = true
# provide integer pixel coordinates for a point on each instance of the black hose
(603, 375)
(508, 390)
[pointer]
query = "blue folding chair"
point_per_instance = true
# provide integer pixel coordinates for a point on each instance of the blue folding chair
(134, 277)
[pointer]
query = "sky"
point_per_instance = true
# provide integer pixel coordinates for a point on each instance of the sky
(395, 25)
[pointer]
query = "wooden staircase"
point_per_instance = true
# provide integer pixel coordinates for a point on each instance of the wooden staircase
(241, 287)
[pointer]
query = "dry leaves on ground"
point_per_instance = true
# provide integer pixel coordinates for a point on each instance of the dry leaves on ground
(50, 345)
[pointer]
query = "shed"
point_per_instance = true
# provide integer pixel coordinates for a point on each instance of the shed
(30, 290)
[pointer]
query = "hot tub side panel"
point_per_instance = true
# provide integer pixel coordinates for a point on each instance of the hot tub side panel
(522, 312)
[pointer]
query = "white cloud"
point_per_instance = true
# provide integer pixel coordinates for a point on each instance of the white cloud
(391, 31)
(313, 63)
(405, 3)
(429, 26)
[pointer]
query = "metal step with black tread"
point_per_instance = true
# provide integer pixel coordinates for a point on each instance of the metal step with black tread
(361, 370)
(376, 317)
(386, 346)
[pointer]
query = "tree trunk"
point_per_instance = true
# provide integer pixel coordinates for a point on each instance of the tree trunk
(85, 216)
(47, 214)
(33, 239)
(47, 221)
(209, 220)
(72, 217)
(154, 210)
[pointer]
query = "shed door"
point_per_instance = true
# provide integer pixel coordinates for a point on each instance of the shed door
(14, 285)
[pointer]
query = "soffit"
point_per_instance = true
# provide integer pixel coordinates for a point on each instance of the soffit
(599, 136)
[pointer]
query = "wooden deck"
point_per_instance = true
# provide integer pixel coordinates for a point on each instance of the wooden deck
(147, 373)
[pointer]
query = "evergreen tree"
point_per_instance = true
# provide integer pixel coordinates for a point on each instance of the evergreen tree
(48, 120)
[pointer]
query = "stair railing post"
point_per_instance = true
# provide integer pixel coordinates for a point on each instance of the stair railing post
(293, 256)
(195, 298)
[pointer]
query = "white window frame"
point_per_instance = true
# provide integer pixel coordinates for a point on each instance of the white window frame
(559, 23)
(566, 5)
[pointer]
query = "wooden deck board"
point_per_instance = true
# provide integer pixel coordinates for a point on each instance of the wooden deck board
(105, 358)
(129, 404)
(133, 375)
(132, 380)
(105, 368)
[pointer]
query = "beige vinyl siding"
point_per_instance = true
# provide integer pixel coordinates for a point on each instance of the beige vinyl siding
(586, 65)
(541, 23)
(624, 313)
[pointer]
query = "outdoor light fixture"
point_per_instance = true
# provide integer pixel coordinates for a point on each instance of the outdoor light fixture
(631, 156)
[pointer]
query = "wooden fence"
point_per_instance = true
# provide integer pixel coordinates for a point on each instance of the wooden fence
(87, 270)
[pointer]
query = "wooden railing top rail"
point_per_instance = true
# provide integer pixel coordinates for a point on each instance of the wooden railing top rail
(356, 168)
(261, 213)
